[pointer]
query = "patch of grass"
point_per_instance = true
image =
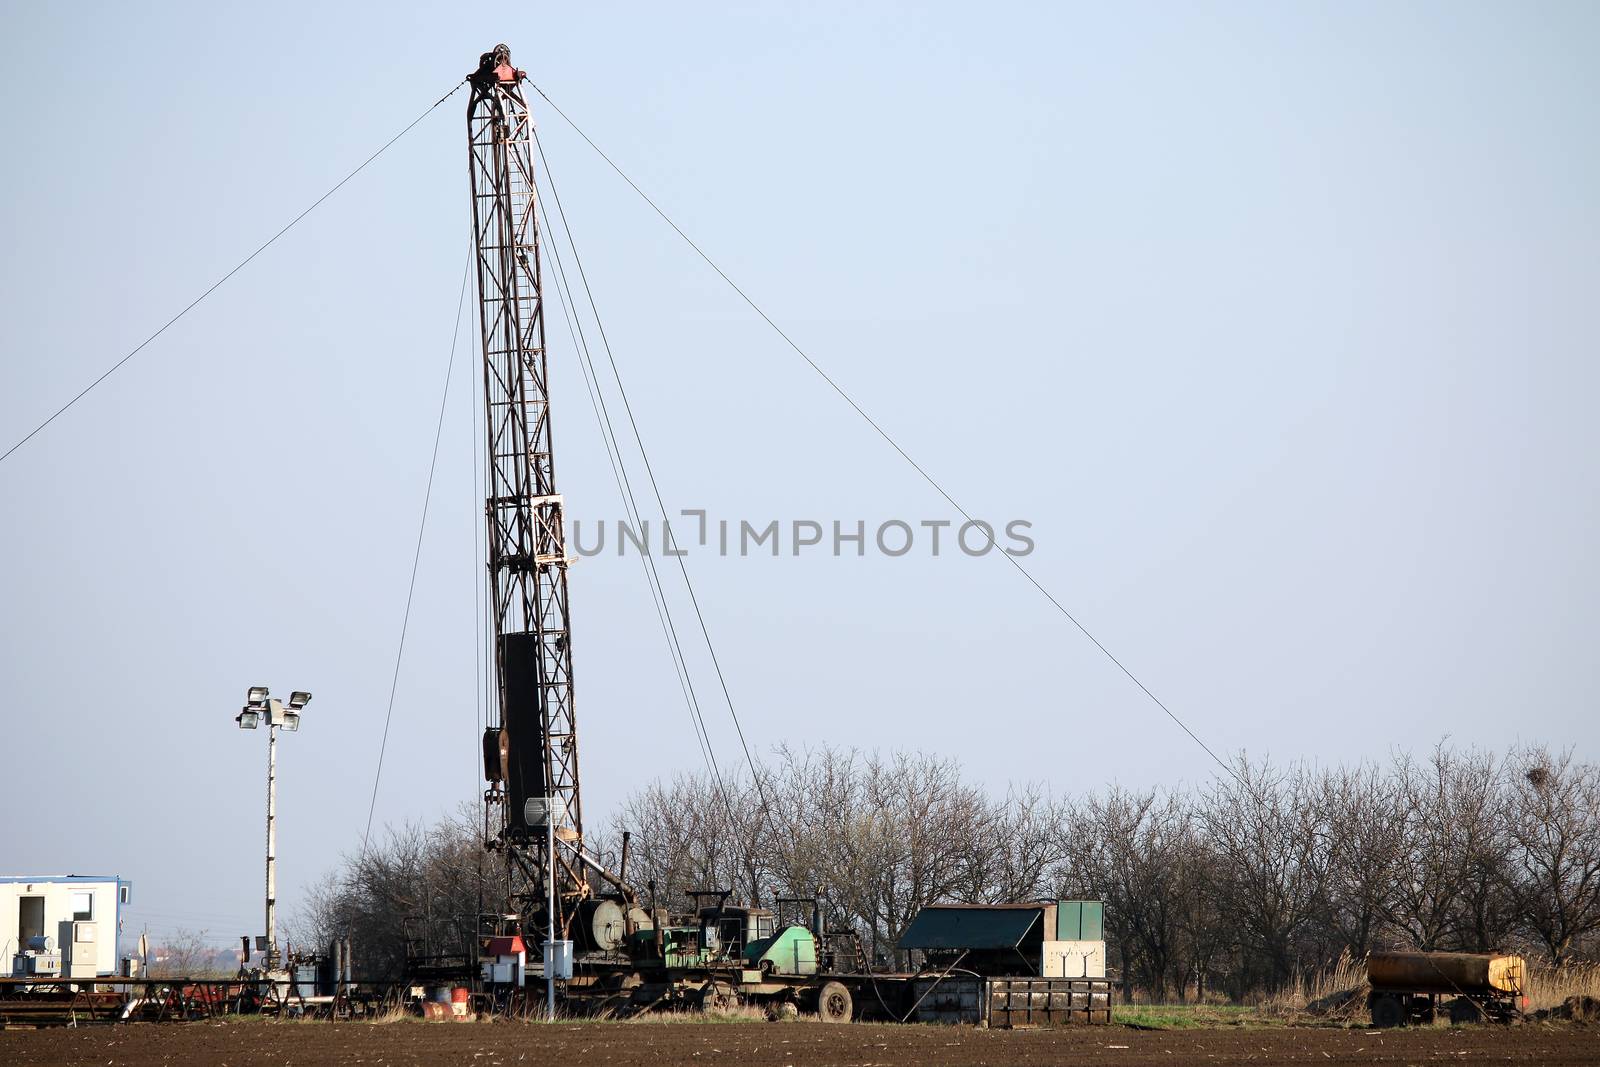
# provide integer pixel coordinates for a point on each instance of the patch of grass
(1188, 1016)
(535, 1016)
(741, 1014)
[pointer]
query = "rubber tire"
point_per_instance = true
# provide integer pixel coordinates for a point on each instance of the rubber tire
(834, 1004)
(1387, 1012)
(1464, 1011)
(717, 995)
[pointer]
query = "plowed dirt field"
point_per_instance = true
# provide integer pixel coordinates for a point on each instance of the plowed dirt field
(503, 1044)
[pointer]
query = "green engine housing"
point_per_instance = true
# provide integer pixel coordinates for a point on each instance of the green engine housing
(792, 950)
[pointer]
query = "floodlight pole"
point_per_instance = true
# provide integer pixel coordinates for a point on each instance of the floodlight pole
(271, 961)
(261, 706)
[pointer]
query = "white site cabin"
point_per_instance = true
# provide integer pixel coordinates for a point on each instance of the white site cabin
(80, 914)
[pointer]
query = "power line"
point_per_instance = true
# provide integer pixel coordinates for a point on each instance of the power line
(416, 558)
(218, 283)
(666, 527)
(881, 433)
(619, 470)
(625, 491)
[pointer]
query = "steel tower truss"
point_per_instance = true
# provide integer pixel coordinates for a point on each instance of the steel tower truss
(533, 751)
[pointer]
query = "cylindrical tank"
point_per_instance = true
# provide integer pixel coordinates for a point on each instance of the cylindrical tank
(600, 925)
(1445, 972)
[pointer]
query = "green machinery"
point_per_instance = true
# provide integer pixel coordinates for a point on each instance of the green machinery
(715, 955)
(732, 936)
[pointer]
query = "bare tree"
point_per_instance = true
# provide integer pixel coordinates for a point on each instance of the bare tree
(1237, 886)
(1129, 852)
(185, 953)
(1022, 845)
(1364, 818)
(1264, 827)
(414, 891)
(1551, 815)
(1447, 815)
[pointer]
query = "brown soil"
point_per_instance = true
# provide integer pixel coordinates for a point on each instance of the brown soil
(503, 1044)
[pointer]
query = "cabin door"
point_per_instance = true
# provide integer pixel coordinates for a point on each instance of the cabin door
(30, 919)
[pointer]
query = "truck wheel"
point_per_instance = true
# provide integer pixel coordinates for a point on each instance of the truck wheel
(717, 995)
(834, 1004)
(1464, 1011)
(1387, 1011)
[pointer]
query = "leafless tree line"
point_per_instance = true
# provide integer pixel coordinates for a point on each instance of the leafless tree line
(415, 891)
(1233, 887)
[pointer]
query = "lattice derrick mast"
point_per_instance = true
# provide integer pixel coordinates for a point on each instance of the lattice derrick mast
(532, 751)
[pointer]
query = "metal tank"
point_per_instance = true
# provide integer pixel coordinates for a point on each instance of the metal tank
(1446, 972)
(603, 924)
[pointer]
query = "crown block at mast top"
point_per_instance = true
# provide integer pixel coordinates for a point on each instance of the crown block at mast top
(494, 68)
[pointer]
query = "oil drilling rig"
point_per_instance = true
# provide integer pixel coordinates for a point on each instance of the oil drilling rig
(612, 950)
(534, 811)
(533, 806)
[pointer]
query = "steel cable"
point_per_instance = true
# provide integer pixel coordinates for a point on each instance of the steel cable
(631, 506)
(218, 283)
(669, 543)
(416, 558)
(859, 410)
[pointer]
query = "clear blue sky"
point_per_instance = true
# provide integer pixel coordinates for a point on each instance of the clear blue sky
(1277, 321)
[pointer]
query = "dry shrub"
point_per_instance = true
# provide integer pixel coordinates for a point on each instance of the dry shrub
(1552, 987)
(743, 1013)
(1338, 991)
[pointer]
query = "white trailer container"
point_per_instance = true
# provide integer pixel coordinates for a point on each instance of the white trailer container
(80, 914)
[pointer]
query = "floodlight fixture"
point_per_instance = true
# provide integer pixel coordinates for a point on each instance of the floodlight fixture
(299, 699)
(258, 694)
(543, 811)
(291, 720)
(248, 718)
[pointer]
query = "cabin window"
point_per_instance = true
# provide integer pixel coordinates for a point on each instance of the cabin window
(83, 906)
(122, 894)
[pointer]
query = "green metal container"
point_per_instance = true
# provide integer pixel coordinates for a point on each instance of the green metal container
(1080, 920)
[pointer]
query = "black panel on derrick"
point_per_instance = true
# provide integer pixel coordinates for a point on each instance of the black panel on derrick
(524, 722)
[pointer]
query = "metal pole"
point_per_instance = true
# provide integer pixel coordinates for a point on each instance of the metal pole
(272, 845)
(550, 908)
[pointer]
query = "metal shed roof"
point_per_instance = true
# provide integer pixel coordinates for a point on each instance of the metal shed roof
(954, 926)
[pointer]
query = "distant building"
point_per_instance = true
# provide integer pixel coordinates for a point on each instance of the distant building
(81, 915)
